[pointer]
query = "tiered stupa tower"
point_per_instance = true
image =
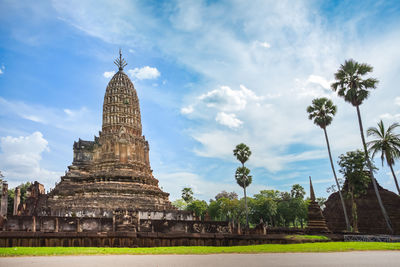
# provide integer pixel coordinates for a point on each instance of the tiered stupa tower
(316, 221)
(113, 171)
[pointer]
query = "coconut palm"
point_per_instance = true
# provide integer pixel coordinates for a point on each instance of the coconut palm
(322, 111)
(242, 152)
(354, 89)
(244, 179)
(387, 143)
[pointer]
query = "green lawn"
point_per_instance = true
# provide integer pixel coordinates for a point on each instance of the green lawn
(269, 248)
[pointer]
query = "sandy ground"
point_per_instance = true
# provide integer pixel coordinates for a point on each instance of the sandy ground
(369, 258)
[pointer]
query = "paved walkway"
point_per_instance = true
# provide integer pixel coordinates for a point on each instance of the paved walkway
(370, 258)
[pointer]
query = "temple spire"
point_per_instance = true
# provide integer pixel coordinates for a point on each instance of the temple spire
(312, 194)
(120, 62)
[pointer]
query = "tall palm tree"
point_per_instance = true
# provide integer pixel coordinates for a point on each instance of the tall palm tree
(386, 142)
(244, 179)
(322, 111)
(242, 152)
(350, 85)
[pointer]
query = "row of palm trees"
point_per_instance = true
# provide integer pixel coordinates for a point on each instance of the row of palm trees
(350, 85)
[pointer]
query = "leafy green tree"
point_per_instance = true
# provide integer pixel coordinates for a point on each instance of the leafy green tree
(297, 204)
(387, 143)
(180, 204)
(198, 207)
(262, 206)
(322, 111)
(285, 214)
(215, 210)
(355, 170)
(354, 89)
(297, 191)
(187, 194)
(244, 179)
(242, 152)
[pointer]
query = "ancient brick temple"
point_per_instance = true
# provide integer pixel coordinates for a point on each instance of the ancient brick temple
(370, 219)
(113, 171)
(109, 196)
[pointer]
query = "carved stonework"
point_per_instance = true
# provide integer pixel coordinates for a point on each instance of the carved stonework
(126, 220)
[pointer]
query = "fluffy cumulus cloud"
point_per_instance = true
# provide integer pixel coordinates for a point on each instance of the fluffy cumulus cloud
(108, 74)
(228, 119)
(187, 110)
(2, 69)
(226, 99)
(144, 73)
(20, 159)
(319, 80)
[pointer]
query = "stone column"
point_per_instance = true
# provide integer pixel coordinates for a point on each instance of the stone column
(17, 199)
(33, 223)
(4, 199)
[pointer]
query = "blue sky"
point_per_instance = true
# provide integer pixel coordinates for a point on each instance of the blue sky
(209, 75)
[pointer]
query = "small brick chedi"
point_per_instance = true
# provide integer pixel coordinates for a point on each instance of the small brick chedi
(316, 221)
(113, 171)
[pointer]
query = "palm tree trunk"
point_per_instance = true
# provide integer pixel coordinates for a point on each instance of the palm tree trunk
(395, 179)
(378, 196)
(245, 205)
(337, 182)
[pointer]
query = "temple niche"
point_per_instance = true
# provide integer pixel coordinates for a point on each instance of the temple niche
(112, 171)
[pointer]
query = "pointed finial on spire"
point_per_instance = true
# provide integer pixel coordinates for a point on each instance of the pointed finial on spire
(312, 194)
(120, 62)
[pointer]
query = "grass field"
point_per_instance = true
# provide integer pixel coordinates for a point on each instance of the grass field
(307, 237)
(269, 248)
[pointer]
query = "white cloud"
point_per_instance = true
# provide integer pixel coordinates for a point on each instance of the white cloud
(226, 99)
(20, 159)
(78, 121)
(263, 44)
(187, 110)
(131, 51)
(108, 74)
(228, 119)
(319, 80)
(389, 116)
(397, 101)
(144, 73)
(2, 69)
